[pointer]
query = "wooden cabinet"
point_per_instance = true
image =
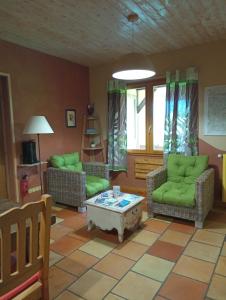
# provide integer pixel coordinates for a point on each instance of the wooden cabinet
(92, 140)
(144, 165)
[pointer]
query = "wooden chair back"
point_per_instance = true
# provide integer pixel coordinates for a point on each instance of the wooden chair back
(31, 223)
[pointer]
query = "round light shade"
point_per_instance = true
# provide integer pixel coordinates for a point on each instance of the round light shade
(37, 125)
(133, 66)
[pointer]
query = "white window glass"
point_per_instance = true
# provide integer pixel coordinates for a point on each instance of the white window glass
(159, 103)
(136, 120)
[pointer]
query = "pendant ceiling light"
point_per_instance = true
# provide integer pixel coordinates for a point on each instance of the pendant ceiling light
(133, 66)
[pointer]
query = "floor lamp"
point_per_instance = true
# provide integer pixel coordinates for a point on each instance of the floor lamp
(38, 125)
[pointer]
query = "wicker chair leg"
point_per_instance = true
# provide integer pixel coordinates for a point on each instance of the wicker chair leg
(199, 224)
(151, 214)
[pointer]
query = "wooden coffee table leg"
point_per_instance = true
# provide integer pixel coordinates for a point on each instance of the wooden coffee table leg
(90, 225)
(120, 235)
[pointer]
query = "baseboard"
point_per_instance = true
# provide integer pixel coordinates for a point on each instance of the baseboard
(134, 190)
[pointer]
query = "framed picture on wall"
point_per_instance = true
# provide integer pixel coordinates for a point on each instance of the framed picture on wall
(215, 110)
(70, 117)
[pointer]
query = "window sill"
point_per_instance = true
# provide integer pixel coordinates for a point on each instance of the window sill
(145, 153)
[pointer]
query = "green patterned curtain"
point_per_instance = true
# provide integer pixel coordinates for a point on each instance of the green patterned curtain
(117, 133)
(181, 121)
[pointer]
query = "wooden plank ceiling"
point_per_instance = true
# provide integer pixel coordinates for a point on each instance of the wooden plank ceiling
(92, 32)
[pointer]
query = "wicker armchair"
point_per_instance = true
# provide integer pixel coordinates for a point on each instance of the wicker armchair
(204, 192)
(69, 187)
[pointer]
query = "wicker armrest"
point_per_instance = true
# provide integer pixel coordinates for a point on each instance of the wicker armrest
(57, 178)
(67, 187)
(205, 191)
(96, 169)
(156, 178)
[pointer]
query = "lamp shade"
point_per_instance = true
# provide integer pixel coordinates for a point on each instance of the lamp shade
(37, 125)
(133, 66)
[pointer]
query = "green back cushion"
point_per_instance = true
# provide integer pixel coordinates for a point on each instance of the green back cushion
(76, 167)
(182, 171)
(185, 169)
(69, 161)
(57, 161)
(71, 158)
(95, 184)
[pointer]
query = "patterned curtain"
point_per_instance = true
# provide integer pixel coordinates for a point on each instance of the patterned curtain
(181, 121)
(117, 133)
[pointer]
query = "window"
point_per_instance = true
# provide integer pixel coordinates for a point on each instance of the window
(136, 125)
(145, 116)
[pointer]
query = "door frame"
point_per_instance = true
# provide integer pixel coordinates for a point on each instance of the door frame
(9, 141)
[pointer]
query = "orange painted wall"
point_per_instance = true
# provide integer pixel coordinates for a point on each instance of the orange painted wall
(45, 85)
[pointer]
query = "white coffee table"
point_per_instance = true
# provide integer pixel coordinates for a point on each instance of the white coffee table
(105, 212)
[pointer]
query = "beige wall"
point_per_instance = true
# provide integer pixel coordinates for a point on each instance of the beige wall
(209, 60)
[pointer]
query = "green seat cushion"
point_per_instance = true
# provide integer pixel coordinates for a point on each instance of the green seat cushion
(71, 158)
(76, 167)
(95, 184)
(57, 161)
(185, 169)
(175, 193)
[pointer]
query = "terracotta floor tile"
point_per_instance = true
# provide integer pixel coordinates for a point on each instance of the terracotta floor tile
(75, 222)
(66, 295)
(221, 266)
(144, 237)
(58, 281)
(156, 225)
(145, 258)
(130, 250)
(58, 231)
(215, 227)
(218, 216)
(164, 218)
(77, 263)
(208, 237)
(135, 286)
(98, 247)
(223, 252)
(182, 227)
(66, 245)
(113, 297)
(56, 208)
(66, 213)
(194, 268)
(83, 234)
(114, 265)
(153, 267)
(111, 236)
(93, 285)
(59, 220)
(179, 287)
(166, 250)
(54, 258)
(217, 289)
(175, 237)
(202, 251)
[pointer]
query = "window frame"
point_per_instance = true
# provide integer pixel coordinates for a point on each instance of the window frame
(148, 85)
